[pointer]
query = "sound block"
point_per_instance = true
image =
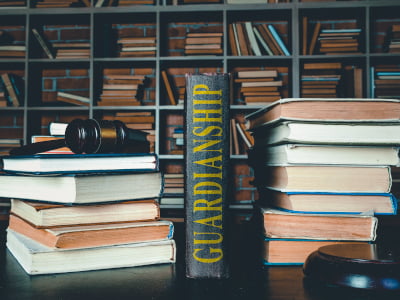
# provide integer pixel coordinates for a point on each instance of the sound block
(359, 266)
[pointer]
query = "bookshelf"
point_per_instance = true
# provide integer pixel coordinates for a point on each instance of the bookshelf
(167, 22)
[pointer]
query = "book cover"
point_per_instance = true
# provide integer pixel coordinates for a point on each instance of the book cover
(206, 184)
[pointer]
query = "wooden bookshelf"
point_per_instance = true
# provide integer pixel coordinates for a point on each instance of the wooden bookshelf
(95, 43)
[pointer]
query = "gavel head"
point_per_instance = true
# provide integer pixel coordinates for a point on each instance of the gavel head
(91, 136)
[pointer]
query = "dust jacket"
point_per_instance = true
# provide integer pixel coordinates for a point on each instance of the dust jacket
(206, 175)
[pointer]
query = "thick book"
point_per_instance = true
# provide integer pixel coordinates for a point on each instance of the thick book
(87, 163)
(94, 235)
(324, 154)
(206, 185)
(309, 178)
(42, 214)
(83, 188)
(36, 258)
(324, 202)
(327, 109)
(372, 134)
(292, 251)
(350, 227)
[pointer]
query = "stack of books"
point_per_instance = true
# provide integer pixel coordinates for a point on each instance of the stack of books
(12, 3)
(7, 144)
(339, 41)
(89, 212)
(122, 90)
(203, 43)
(12, 50)
(258, 87)
(173, 189)
(247, 38)
(321, 80)
(323, 171)
(139, 120)
(392, 43)
(72, 50)
(386, 81)
(137, 46)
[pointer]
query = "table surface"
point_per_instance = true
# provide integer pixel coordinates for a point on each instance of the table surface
(249, 280)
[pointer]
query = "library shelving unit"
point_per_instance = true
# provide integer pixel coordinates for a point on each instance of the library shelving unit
(102, 28)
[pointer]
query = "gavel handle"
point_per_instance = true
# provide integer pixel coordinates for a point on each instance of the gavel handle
(38, 147)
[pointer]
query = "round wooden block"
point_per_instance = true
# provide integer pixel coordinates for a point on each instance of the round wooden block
(360, 266)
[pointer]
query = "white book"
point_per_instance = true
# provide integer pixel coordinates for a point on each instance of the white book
(330, 133)
(252, 39)
(38, 259)
(327, 155)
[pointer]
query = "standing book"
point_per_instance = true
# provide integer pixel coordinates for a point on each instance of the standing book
(207, 158)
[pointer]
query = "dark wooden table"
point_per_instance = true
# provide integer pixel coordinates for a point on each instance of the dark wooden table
(249, 279)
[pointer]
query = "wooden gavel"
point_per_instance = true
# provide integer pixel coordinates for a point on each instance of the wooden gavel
(91, 136)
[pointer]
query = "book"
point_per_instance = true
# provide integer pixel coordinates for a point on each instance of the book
(12, 88)
(37, 259)
(72, 98)
(278, 39)
(206, 159)
(82, 189)
(288, 225)
(42, 214)
(329, 133)
(93, 235)
(327, 109)
(311, 178)
(292, 251)
(324, 202)
(325, 155)
(46, 46)
(74, 163)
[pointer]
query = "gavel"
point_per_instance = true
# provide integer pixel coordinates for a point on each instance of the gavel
(92, 136)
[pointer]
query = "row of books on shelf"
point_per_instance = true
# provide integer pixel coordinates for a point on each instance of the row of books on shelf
(247, 38)
(323, 169)
(89, 212)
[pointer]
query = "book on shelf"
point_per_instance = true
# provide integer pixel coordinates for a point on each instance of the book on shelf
(38, 259)
(327, 109)
(292, 251)
(319, 178)
(278, 39)
(207, 43)
(289, 225)
(168, 87)
(46, 215)
(81, 189)
(72, 98)
(93, 235)
(329, 133)
(288, 154)
(207, 155)
(325, 202)
(13, 87)
(44, 44)
(75, 163)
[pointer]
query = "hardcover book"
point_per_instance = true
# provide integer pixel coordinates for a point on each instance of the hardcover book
(207, 158)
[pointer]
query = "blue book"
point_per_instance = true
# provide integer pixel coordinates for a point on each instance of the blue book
(278, 40)
(331, 203)
(355, 30)
(81, 163)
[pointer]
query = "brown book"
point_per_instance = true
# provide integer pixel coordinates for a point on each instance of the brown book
(343, 109)
(268, 39)
(232, 40)
(204, 34)
(305, 37)
(203, 40)
(314, 38)
(322, 66)
(293, 251)
(259, 89)
(235, 150)
(281, 224)
(115, 102)
(272, 40)
(12, 93)
(48, 215)
(243, 44)
(261, 99)
(84, 236)
(203, 51)
(168, 87)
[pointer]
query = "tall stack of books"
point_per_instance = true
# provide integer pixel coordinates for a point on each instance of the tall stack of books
(137, 46)
(122, 90)
(203, 43)
(323, 171)
(321, 80)
(259, 87)
(89, 212)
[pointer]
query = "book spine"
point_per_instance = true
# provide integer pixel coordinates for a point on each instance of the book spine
(206, 185)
